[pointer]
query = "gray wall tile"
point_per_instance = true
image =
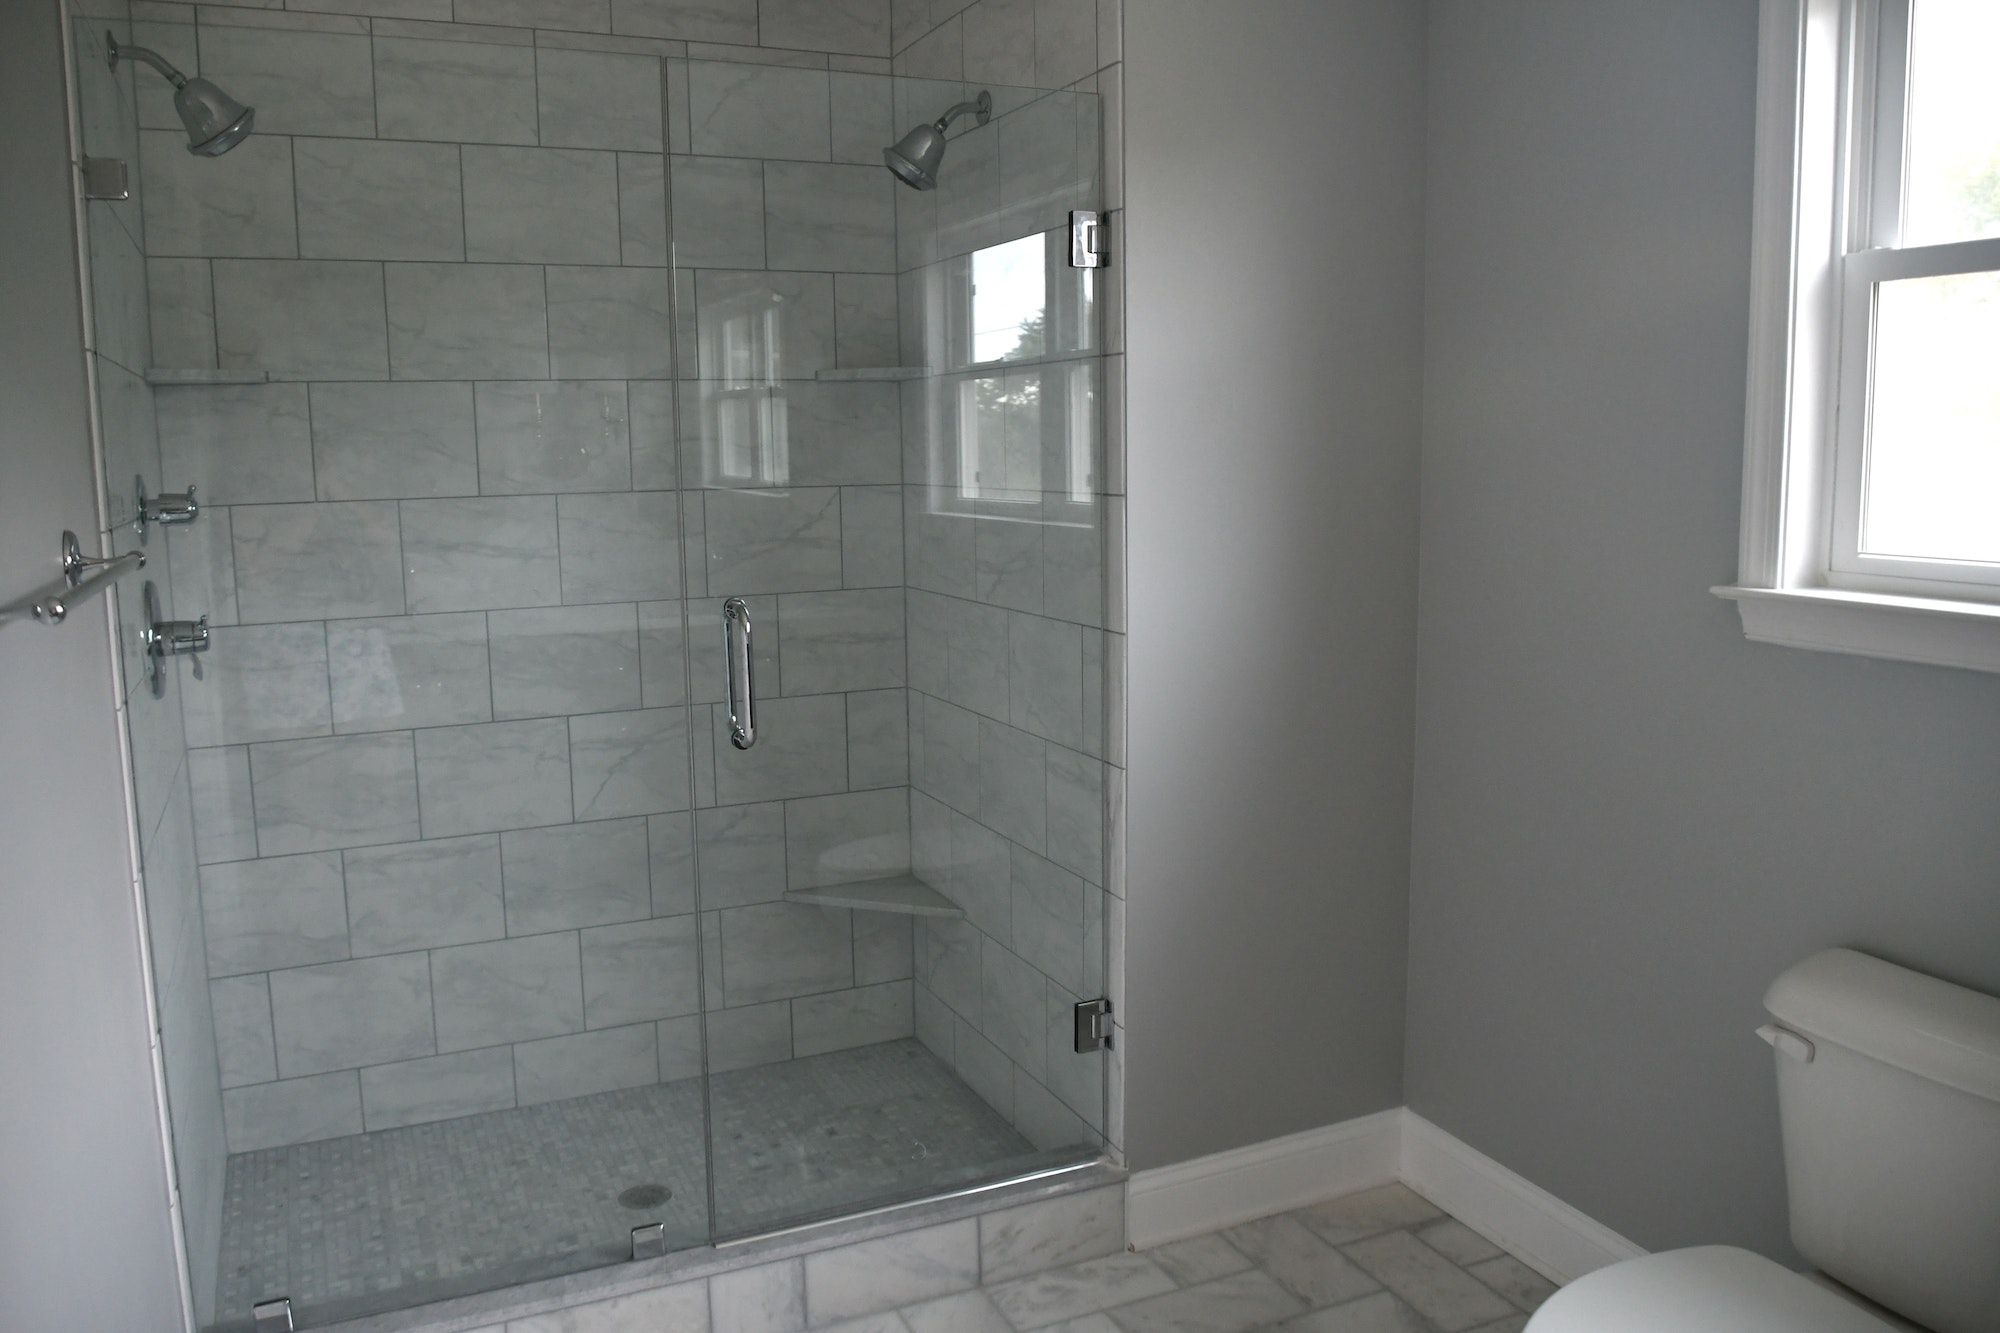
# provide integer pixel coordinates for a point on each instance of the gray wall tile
(243, 1042)
(564, 659)
(241, 206)
(393, 441)
(864, 123)
(857, 27)
(680, 1047)
(801, 751)
(577, 15)
(670, 842)
(365, 199)
(557, 1068)
(300, 82)
(454, 91)
(203, 568)
(1048, 922)
(804, 312)
(466, 321)
(182, 306)
(303, 561)
(883, 948)
(344, 1015)
(774, 951)
(441, 1087)
(542, 437)
(871, 536)
(765, 1299)
(219, 783)
(742, 854)
(1013, 789)
(279, 912)
(842, 640)
(608, 323)
(1013, 1008)
(299, 1110)
(758, 1034)
(576, 875)
(619, 547)
(772, 541)
(846, 1019)
(758, 111)
(261, 682)
(688, 20)
(639, 971)
(865, 318)
(829, 218)
(662, 669)
(1076, 812)
(300, 318)
(948, 962)
(500, 775)
(422, 895)
(463, 555)
(592, 99)
(849, 837)
(541, 205)
(632, 763)
(843, 434)
(343, 791)
(510, 990)
(1045, 677)
(409, 671)
(719, 210)
(642, 211)
(878, 740)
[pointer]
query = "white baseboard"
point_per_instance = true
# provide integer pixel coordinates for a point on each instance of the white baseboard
(1186, 1199)
(1514, 1213)
(1174, 1202)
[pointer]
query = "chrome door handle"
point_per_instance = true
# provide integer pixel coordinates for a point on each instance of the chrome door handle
(742, 676)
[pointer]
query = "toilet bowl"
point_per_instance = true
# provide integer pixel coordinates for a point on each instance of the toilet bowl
(1889, 1107)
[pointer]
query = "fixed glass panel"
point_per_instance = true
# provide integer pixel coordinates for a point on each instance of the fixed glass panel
(1933, 460)
(1952, 143)
(900, 879)
(410, 343)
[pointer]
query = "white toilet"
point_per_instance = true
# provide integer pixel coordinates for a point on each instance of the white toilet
(1889, 1101)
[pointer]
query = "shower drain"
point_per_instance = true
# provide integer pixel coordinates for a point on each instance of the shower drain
(644, 1196)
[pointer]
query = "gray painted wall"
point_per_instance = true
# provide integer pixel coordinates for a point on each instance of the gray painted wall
(86, 1243)
(1628, 818)
(1273, 268)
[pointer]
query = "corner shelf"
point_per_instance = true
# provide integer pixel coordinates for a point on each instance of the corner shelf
(903, 894)
(165, 375)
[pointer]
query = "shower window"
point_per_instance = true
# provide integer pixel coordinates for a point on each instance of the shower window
(490, 945)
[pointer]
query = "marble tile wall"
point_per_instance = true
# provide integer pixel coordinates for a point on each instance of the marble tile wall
(1016, 644)
(448, 771)
(119, 337)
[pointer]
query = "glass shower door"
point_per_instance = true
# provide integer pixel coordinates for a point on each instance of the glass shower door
(890, 453)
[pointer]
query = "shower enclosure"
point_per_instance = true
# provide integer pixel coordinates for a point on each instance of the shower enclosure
(499, 359)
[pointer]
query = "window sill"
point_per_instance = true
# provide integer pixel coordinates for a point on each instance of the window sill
(1903, 629)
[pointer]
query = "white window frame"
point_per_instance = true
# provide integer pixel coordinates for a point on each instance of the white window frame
(1827, 190)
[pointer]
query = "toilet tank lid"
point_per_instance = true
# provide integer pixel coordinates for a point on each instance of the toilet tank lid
(1945, 1033)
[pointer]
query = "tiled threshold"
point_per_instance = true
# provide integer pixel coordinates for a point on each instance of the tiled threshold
(851, 1266)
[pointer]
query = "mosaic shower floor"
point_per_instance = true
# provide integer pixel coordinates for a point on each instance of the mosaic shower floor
(397, 1217)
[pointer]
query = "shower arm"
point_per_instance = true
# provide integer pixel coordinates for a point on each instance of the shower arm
(113, 53)
(982, 108)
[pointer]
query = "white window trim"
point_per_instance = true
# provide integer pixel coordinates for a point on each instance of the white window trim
(1797, 227)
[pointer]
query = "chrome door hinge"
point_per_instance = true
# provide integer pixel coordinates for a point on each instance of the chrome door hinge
(1093, 1026)
(105, 178)
(1089, 247)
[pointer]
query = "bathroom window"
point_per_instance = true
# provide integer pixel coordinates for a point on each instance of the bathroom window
(1872, 477)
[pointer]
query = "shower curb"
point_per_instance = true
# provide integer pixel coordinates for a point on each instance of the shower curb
(1069, 1240)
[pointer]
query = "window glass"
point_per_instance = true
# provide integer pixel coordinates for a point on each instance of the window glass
(1933, 472)
(1952, 182)
(1009, 300)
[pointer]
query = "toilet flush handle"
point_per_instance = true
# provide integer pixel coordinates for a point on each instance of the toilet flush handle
(1787, 1042)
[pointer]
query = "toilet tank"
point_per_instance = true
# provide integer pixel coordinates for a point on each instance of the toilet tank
(1891, 1123)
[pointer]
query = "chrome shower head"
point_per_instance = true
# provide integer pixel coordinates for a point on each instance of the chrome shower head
(914, 158)
(215, 121)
